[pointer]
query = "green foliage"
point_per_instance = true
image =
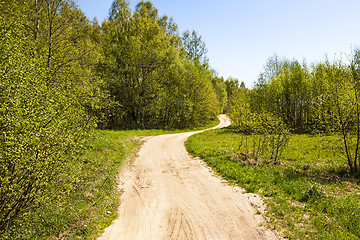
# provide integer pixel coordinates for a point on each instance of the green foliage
(338, 107)
(267, 133)
(155, 79)
(195, 48)
(323, 98)
(220, 90)
(268, 136)
(93, 201)
(46, 95)
(238, 105)
(59, 72)
(284, 89)
(310, 195)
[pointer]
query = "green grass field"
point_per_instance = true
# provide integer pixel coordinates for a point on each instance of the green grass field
(309, 195)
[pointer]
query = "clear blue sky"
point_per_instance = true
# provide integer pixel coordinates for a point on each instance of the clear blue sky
(242, 34)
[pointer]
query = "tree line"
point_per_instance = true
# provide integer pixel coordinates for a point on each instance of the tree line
(156, 77)
(62, 75)
(321, 97)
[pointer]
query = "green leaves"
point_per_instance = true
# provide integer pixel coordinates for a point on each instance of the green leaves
(195, 48)
(323, 98)
(47, 91)
(148, 74)
(59, 72)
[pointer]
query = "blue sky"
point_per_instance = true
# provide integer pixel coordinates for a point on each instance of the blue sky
(242, 34)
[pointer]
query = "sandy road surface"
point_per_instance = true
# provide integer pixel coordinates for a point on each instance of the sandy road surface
(170, 195)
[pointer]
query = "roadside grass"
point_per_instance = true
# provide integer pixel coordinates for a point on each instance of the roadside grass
(310, 195)
(92, 204)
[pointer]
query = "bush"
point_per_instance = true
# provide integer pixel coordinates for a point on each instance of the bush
(43, 121)
(268, 136)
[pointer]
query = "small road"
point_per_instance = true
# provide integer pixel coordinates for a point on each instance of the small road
(167, 194)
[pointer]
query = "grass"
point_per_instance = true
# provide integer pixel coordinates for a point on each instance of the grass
(93, 201)
(310, 195)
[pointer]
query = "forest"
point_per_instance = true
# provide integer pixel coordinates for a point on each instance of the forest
(63, 76)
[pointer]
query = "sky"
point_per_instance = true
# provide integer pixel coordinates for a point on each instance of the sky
(241, 35)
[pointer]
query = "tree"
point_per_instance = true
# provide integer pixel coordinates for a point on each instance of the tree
(151, 81)
(220, 90)
(47, 91)
(195, 48)
(284, 89)
(238, 105)
(338, 106)
(267, 132)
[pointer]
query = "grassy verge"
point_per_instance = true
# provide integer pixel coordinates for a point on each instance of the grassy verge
(92, 204)
(310, 195)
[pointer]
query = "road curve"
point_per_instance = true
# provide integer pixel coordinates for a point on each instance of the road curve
(167, 194)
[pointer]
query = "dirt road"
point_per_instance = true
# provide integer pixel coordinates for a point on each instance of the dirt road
(170, 195)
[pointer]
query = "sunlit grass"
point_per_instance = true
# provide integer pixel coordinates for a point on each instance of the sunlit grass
(310, 195)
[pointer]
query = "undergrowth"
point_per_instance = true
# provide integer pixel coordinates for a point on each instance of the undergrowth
(310, 193)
